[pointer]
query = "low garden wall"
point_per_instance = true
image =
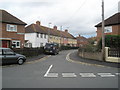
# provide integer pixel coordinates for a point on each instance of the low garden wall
(91, 55)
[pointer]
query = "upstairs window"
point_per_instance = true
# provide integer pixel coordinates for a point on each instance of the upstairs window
(41, 35)
(11, 28)
(37, 35)
(44, 35)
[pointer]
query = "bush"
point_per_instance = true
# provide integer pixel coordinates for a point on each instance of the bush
(88, 48)
(67, 47)
(110, 41)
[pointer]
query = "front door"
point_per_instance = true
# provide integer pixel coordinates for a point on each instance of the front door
(4, 44)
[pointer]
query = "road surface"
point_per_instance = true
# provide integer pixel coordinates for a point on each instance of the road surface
(58, 71)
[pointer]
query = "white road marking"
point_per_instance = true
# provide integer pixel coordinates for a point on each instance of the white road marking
(87, 75)
(52, 75)
(106, 75)
(48, 71)
(117, 74)
(69, 75)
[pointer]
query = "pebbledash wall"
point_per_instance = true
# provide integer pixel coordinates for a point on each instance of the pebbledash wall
(36, 41)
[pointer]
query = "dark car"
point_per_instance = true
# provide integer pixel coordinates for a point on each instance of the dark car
(9, 56)
(51, 48)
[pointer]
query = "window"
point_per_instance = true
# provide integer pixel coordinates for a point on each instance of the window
(37, 35)
(18, 44)
(41, 35)
(41, 44)
(15, 44)
(12, 28)
(44, 35)
(8, 52)
(108, 29)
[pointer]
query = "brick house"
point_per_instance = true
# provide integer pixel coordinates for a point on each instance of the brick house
(112, 26)
(81, 41)
(12, 31)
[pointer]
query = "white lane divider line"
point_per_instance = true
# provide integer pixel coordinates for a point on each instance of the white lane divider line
(69, 75)
(87, 75)
(106, 75)
(48, 71)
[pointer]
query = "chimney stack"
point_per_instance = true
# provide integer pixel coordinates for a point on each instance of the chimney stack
(38, 23)
(66, 30)
(55, 27)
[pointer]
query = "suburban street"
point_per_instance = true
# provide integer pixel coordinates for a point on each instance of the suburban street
(59, 71)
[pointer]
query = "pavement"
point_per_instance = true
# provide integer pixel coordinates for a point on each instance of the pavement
(75, 57)
(59, 71)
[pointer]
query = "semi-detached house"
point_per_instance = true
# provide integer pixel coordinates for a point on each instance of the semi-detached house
(112, 26)
(12, 31)
(37, 35)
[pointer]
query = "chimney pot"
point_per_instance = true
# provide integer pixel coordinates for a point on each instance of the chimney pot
(66, 30)
(55, 27)
(38, 23)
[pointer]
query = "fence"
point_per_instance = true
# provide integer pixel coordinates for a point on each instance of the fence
(114, 52)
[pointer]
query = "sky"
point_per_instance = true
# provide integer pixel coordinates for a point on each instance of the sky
(78, 16)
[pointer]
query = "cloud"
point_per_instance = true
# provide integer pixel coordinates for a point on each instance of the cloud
(79, 15)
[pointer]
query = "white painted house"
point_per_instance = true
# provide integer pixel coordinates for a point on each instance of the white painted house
(35, 36)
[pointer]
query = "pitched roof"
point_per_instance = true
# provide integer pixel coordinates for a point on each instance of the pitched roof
(8, 18)
(81, 38)
(113, 20)
(33, 28)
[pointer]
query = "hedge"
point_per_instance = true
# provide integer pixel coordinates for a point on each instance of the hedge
(112, 41)
(29, 52)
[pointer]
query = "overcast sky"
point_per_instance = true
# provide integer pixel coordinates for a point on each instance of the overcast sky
(78, 16)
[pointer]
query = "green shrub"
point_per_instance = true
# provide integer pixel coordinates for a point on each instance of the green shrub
(110, 41)
(29, 52)
(67, 47)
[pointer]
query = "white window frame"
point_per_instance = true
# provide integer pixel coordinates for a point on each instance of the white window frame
(108, 29)
(15, 42)
(11, 28)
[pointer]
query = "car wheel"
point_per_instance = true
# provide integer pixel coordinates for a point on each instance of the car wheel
(20, 61)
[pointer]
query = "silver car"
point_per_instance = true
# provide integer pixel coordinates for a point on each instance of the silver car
(9, 56)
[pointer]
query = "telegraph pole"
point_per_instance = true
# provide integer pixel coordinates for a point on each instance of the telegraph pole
(103, 36)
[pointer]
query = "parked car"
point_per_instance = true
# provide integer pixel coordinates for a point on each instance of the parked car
(51, 48)
(9, 56)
